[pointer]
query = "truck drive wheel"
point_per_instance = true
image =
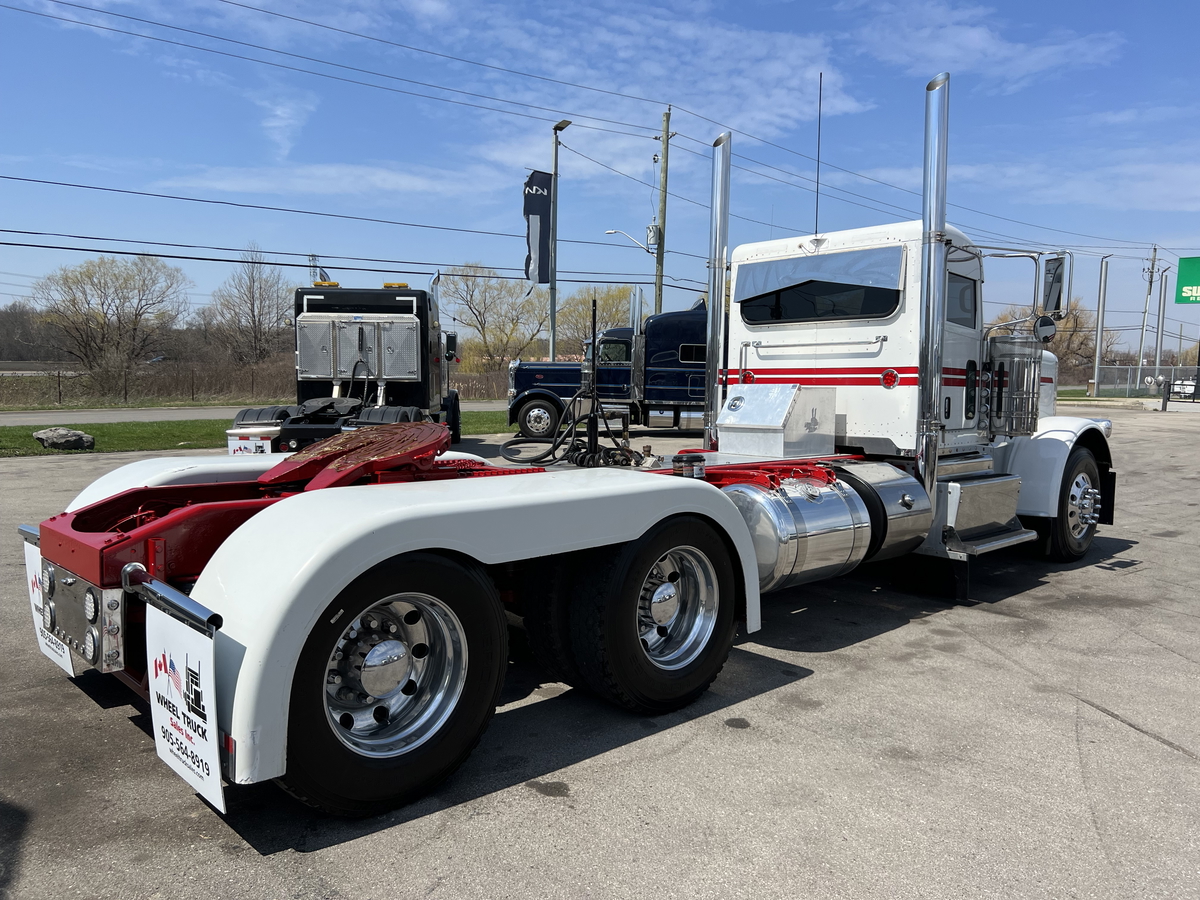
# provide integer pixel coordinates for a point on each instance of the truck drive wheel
(395, 685)
(538, 419)
(1072, 531)
(652, 629)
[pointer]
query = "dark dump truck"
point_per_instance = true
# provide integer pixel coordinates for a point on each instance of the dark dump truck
(364, 356)
(651, 371)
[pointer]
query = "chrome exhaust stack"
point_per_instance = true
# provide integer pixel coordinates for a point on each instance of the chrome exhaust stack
(933, 278)
(718, 264)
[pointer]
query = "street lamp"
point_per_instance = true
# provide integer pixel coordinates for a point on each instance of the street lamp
(558, 128)
(635, 240)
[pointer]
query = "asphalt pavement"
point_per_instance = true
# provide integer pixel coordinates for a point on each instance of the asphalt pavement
(874, 740)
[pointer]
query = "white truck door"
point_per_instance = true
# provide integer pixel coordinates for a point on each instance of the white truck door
(961, 362)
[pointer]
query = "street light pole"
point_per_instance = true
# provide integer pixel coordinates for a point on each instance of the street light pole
(1151, 273)
(1162, 320)
(661, 249)
(554, 242)
(1101, 298)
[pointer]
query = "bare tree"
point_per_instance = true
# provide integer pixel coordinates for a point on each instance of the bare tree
(1075, 341)
(503, 315)
(574, 320)
(249, 311)
(109, 314)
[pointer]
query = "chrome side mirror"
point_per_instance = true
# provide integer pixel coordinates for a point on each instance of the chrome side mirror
(1044, 329)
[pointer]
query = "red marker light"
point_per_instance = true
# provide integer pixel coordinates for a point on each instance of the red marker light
(890, 378)
(747, 377)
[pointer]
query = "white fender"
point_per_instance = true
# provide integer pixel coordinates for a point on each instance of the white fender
(279, 570)
(175, 470)
(1041, 458)
(165, 470)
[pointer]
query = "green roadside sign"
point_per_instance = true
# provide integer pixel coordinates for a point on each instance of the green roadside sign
(1187, 288)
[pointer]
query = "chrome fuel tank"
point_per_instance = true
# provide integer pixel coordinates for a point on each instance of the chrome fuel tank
(899, 507)
(805, 531)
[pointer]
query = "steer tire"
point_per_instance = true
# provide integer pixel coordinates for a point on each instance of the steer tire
(538, 418)
(609, 624)
(1068, 543)
(461, 625)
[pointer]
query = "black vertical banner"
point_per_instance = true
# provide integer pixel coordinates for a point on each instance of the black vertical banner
(537, 227)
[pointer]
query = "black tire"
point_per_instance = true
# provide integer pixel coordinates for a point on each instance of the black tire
(322, 769)
(538, 418)
(548, 589)
(608, 620)
(264, 414)
(455, 419)
(1070, 539)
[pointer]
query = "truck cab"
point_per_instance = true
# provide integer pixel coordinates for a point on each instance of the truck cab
(364, 356)
(654, 369)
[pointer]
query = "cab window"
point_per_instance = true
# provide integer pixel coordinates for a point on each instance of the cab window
(961, 300)
(614, 352)
(815, 301)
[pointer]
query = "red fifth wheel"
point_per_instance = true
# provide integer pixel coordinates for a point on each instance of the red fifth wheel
(654, 627)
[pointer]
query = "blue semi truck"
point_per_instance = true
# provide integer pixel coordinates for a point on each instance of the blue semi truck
(653, 370)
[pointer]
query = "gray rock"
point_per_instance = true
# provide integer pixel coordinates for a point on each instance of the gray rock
(59, 438)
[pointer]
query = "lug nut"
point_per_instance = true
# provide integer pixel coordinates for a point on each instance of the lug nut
(335, 678)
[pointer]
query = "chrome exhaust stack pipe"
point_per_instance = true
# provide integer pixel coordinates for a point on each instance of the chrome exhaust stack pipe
(933, 279)
(718, 262)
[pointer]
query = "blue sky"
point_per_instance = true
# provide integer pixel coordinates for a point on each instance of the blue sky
(1068, 115)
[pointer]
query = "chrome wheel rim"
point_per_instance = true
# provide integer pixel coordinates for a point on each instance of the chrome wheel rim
(1083, 504)
(537, 420)
(395, 675)
(677, 608)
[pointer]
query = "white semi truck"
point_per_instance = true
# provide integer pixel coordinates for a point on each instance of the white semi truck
(336, 619)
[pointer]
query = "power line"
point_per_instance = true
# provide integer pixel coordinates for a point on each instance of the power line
(304, 265)
(379, 40)
(669, 193)
(1120, 241)
(286, 209)
(323, 256)
(276, 65)
(337, 65)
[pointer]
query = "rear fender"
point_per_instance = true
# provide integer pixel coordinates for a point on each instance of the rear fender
(189, 470)
(276, 573)
(1041, 458)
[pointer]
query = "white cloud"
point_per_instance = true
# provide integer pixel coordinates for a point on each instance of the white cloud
(286, 113)
(1158, 179)
(928, 36)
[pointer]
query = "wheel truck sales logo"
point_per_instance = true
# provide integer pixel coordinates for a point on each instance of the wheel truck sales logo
(187, 687)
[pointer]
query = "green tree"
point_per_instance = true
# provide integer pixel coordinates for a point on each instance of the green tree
(502, 316)
(110, 314)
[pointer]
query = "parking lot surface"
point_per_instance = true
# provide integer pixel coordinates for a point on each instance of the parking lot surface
(875, 739)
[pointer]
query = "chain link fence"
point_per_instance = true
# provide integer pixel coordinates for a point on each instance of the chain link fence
(1129, 381)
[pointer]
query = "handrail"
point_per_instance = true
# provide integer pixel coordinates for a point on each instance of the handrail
(163, 597)
(759, 345)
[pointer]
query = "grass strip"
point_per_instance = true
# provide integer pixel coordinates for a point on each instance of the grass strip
(194, 434)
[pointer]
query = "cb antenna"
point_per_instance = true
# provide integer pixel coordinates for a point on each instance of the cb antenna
(817, 202)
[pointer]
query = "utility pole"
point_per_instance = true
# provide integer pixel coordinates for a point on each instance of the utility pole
(1101, 298)
(1150, 273)
(1162, 320)
(660, 250)
(554, 242)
